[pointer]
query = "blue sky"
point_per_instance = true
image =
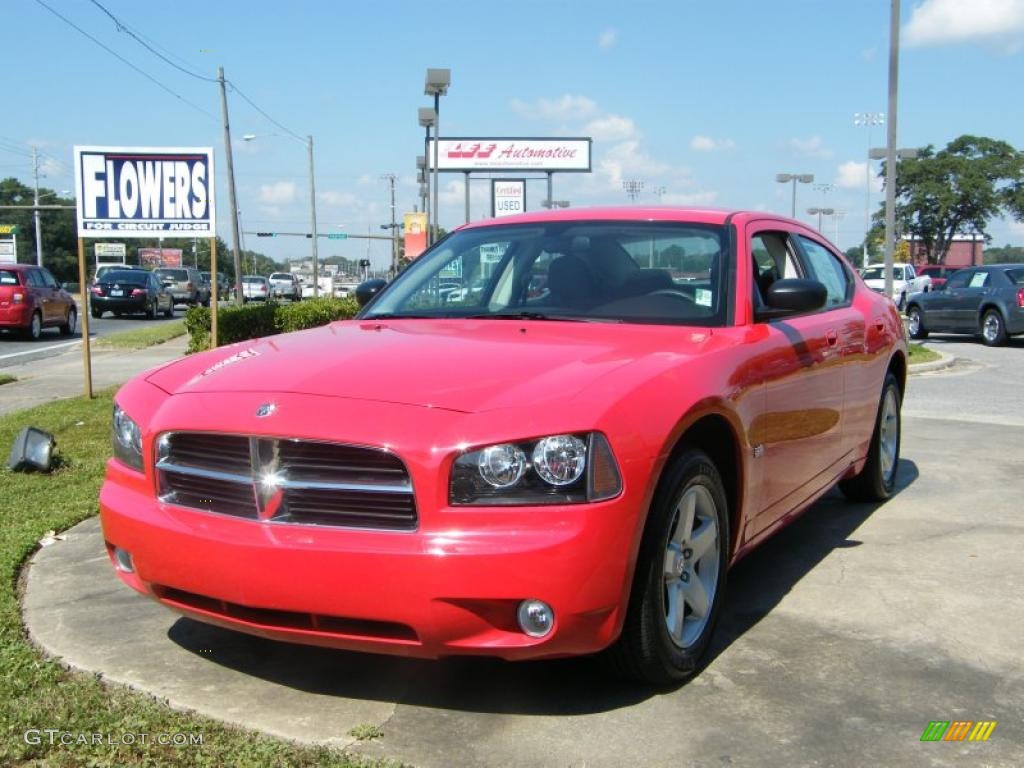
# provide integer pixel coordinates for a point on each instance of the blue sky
(706, 99)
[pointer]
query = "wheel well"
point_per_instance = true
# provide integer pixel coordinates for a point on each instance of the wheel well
(898, 368)
(986, 307)
(713, 435)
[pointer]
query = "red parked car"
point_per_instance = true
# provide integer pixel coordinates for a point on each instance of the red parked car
(567, 461)
(31, 299)
(937, 272)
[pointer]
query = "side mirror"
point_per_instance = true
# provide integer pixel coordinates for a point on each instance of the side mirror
(368, 289)
(792, 297)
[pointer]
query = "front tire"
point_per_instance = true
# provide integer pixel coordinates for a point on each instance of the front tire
(68, 328)
(915, 323)
(877, 481)
(680, 578)
(993, 329)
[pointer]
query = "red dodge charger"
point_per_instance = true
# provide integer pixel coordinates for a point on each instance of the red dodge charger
(561, 455)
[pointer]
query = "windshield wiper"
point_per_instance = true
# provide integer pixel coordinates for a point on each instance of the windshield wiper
(528, 315)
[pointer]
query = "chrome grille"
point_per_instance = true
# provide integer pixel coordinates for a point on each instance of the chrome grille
(286, 480)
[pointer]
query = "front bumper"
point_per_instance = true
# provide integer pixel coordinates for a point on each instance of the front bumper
(445, 589)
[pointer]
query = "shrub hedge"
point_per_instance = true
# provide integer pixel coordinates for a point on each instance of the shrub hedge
(254, 320)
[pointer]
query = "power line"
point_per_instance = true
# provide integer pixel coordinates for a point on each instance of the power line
(121, 58)
(252, 104)
(122, 27)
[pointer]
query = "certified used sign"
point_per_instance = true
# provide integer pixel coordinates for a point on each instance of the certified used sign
(508, 197)
(145, 191)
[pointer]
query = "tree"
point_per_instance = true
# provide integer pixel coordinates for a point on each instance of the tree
(957, 191)
(1008, 254)
(60, 246)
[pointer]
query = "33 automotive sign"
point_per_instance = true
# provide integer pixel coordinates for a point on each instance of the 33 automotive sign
(505, 154)
(145, 191)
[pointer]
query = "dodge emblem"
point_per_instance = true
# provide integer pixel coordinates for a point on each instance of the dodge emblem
(265, 410)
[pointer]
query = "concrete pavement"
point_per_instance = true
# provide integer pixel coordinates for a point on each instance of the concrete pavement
(41, 381)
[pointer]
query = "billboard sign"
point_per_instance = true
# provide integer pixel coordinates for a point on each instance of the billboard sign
(415, 234)
(145, 191)
(7, 254)
(508, 197)
(110, 253)
(8, 229)
(495, 154)
(151, 258)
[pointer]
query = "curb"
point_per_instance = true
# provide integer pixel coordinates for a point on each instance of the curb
(947, 361)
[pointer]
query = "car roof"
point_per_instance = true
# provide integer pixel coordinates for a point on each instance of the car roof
(632, 213)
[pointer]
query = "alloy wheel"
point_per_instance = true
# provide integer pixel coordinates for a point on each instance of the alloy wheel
(889, 434)
(691, 566)
(991, 327)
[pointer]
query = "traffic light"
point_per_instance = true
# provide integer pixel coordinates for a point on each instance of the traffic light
(266, 234)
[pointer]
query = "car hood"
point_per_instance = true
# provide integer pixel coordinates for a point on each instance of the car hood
(459, 365)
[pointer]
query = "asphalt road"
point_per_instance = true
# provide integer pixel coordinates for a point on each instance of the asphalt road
(15, 349)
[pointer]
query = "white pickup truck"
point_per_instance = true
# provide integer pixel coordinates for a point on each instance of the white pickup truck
(905, 281)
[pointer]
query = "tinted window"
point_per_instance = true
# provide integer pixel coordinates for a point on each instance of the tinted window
(35, 279)
(253, 279)
(49, 279)
(174, 274)
(959, 279)
(824, 267)
(8, 277)
(618, 271)
(126, 277)
(1015, 276)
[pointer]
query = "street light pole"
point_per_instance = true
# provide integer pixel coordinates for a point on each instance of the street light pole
(312, 208)
(868, 119)
(890, 144)
(436, 85)
(427, 118)
(39, 237)
(803, 178)
(232, 199)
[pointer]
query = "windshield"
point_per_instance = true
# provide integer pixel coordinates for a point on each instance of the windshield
(636, 272)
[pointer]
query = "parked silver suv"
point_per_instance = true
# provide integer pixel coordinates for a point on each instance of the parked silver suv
(186, 285)
(285, 285)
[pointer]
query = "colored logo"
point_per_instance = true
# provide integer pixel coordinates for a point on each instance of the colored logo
(958, 730)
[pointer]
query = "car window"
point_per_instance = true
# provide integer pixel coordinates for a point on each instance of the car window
(180, 275)
(825, 267)
(125, 276)
(643, 272)
(978, 280)
(8, 277)
(1015, 276)
(49, 279)
(959, 279)
(35, 279)
(772, 260)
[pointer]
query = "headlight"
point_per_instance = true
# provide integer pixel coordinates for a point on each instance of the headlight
(560, 469)
(127, 439)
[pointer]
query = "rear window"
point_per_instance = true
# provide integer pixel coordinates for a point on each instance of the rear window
(281, 276)
(253, 279)
(9, 277)
(130, 277)
(174, 274)
(1016, 276)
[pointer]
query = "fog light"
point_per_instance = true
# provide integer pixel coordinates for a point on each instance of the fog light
(535, 617)
(123, 558)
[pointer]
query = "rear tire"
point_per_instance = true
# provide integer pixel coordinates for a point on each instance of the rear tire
(993, 329)
(915, 324)
(680, 576)
(877, 480)
(70, 322)
(169, 312)
(97, 313)
(151, 310)
(35, 326)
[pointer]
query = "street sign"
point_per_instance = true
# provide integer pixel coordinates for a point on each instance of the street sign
(508, 197)
(336, 236)
(144, 191)
(7, 252)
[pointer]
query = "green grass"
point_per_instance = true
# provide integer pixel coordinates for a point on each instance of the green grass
(143, 337)
(6, 378)
(37, 692)
(366, 732)
(921, 354)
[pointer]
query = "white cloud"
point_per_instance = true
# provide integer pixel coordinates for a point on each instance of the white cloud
(813, 146)
(853, 175)
(336, 198)
(1016, 227)
(694, 198)
(608, 38)
(279, 193)
(567, 107)
(51, 167)
(936, 22)
(611, 128)
(709, 144)
(628, 159)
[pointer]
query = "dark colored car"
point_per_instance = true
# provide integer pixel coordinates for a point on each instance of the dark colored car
(986, 301)
(31, 299)
(127, 291)
(223, 286)
(938, 273)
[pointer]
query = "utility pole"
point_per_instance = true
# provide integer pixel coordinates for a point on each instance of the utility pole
(231, 188)
(890, 143)
(312, 208)
(39, 240)
(390, 178)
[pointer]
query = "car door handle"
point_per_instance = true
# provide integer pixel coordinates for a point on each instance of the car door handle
(879, 325)
(832, 338)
